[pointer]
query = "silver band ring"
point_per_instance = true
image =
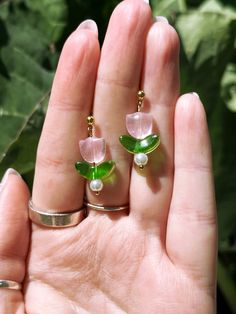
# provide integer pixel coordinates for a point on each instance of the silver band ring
(105, 208)
(53, 218)
(9, 284)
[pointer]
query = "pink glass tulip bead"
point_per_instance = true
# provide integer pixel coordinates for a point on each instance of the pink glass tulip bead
(139, 124)
(92, 149)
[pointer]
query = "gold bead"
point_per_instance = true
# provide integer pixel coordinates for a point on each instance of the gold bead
(90, 120)
(141, 94)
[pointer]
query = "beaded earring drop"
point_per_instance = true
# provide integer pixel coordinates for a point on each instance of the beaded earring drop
(142, 141)
(93, 151)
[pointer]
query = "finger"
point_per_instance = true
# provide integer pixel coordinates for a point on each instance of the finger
(117, 84)
(161, 85)
(57, 185)
(191, 229)
(14, 239)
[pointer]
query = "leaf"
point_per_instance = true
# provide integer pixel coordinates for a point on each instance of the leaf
(91, 172)
(167, 8)
(207, 40)
(135, 146)
(25, 77)
(19, 156)
(228, 87)
(53, 13)
(205, 36)
(217, 7)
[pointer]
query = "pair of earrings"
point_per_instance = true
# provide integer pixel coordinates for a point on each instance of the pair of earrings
(140, 142)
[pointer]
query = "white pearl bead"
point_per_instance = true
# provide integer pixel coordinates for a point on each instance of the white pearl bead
(140, 159)
(96, 185)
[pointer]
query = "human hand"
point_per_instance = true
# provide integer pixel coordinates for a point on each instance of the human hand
(158, 257)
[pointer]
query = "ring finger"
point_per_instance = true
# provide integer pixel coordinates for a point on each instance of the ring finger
(161, 84)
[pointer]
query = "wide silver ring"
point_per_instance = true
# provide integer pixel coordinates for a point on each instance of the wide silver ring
(9, 284)
(105, 208)
(53, 218)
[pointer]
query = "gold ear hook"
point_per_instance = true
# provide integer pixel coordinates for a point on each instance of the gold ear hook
(90, 121)
(140, 96)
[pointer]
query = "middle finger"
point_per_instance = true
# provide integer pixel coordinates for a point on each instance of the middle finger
(116, 88)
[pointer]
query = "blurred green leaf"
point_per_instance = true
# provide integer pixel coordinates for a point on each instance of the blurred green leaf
(165, 8)
(218, 7)
(53, 14)
(22, 153)
(228, 87)
(206, 37)
(26, 61)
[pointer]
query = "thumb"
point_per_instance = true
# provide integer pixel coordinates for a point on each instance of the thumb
(14, 239)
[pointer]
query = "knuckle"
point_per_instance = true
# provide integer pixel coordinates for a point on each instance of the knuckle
(46, 161)
(195, 215)
(65, 105)
(54, 162)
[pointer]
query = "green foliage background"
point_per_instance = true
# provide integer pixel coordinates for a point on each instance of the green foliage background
(32, 33)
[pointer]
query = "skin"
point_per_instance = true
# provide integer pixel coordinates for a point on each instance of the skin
(160, 255)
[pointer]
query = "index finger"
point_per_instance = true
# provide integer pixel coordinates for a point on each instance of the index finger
(57, 185)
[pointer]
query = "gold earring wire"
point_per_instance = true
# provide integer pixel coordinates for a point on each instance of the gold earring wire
(140, 96)
(90, 121)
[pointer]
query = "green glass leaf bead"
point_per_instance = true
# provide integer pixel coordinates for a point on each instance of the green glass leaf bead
(84, 169)
(129, 143)
(135, 146)
(104, 169)
(148, 144)
(90, 172)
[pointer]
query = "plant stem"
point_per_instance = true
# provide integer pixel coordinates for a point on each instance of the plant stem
(182, 5)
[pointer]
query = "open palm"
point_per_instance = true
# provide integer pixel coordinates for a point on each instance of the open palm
(158, 257)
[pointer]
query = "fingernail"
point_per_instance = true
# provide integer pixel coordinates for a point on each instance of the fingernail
(6, 175)
(90, 25)
(196, 94)
(147, 1)
(161, 19)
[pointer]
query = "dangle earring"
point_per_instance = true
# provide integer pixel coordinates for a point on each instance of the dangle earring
(93, 151)
(142, 141)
